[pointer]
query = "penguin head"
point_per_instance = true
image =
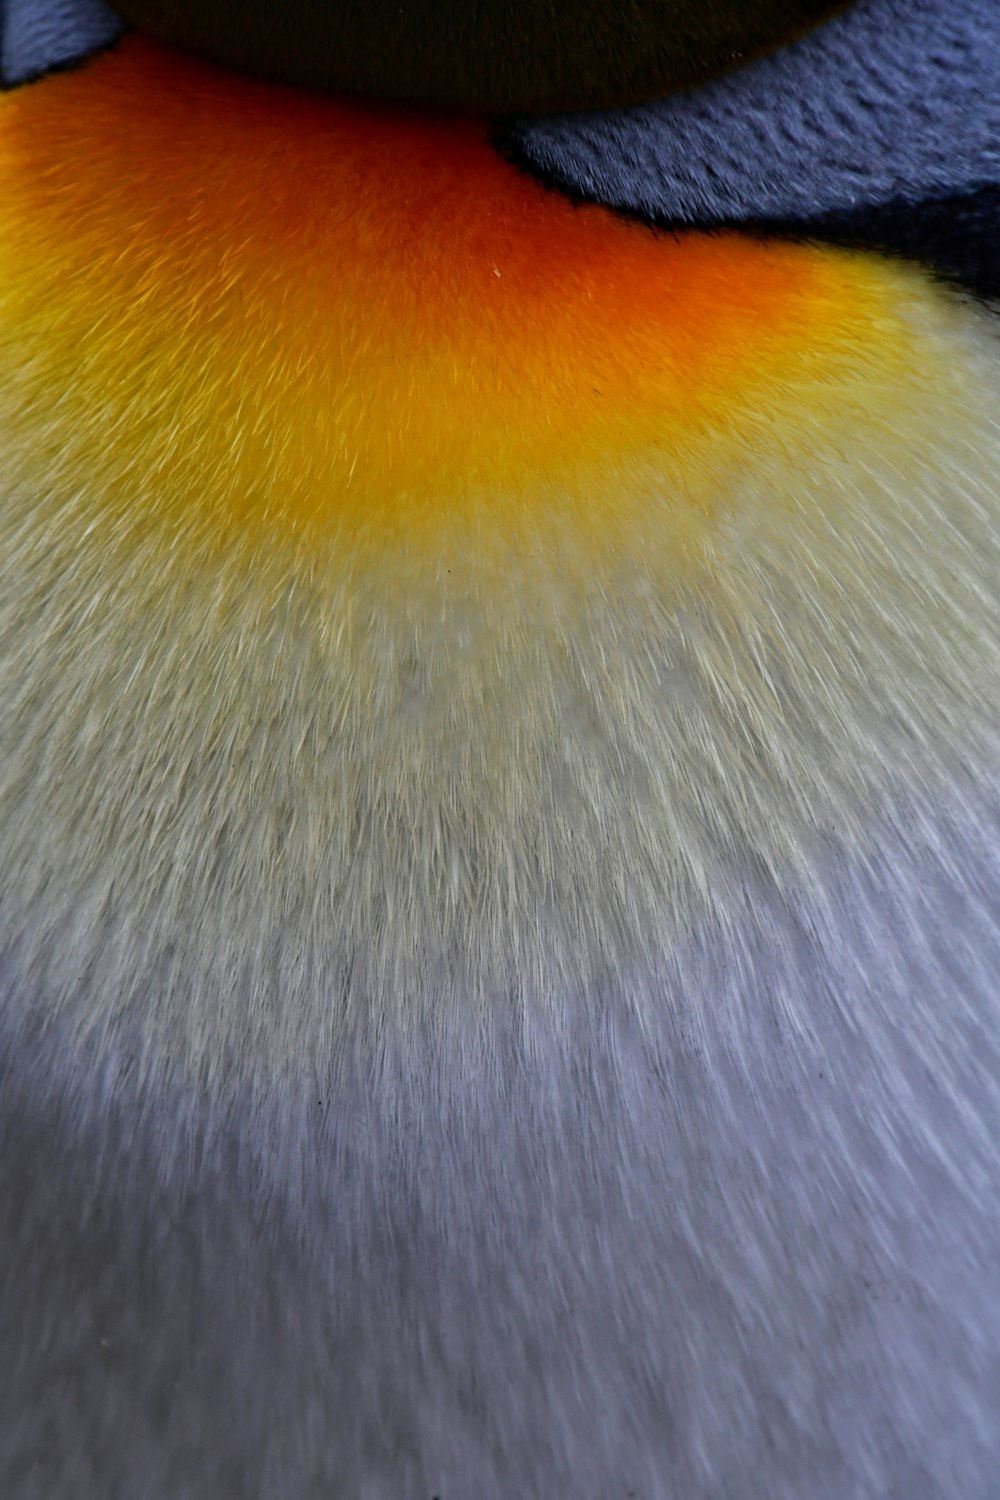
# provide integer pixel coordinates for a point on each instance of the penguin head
(493, 56)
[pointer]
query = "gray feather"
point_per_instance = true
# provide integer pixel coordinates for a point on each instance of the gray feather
(37, 36)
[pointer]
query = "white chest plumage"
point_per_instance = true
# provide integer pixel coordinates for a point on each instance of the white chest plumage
(498, 837)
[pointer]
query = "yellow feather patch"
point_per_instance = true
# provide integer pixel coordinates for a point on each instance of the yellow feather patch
(419, 590)
(299, 317)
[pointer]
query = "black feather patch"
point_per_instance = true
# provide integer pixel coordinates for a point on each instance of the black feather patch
(490, 56)
(958, 235)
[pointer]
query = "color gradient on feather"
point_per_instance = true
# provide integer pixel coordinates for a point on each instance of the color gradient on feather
(499, 817)
(368, 323)
(461, 587)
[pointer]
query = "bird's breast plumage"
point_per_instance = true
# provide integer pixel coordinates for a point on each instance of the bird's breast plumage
(499, 854)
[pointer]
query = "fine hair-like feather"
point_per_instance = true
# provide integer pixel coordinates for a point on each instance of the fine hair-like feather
(499, 839)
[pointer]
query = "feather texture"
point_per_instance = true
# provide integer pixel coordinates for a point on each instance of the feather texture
(499, 853)
(879, 128)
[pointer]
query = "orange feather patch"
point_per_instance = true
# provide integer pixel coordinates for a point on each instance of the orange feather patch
(292, 313)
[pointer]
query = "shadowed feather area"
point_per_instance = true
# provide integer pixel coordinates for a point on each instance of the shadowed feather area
(493, 55)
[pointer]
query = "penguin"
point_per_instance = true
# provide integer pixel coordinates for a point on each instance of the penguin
(499, 820)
